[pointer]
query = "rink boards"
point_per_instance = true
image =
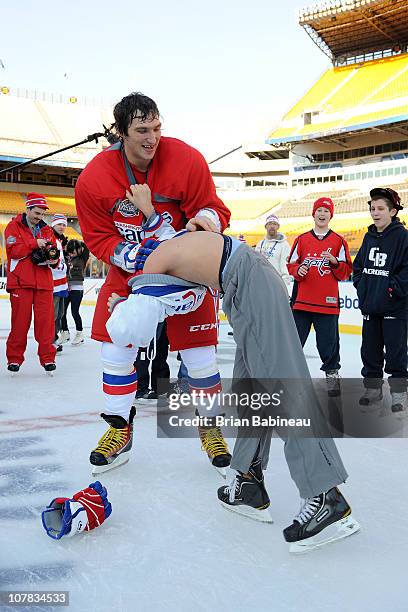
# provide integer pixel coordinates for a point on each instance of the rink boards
(350, 316)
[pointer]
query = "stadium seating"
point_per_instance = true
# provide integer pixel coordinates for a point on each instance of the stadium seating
(347, 97)
(248, 208)
(12, 202)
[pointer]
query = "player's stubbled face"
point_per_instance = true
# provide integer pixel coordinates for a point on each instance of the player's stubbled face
(142, 141)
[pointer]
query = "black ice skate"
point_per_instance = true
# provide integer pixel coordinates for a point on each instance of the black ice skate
(13, 368)
(213, 443)
(321, 519)
(114, 446)
(247, 496)
(49, 368)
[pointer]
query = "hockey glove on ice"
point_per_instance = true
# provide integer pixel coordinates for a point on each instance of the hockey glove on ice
(86, 510)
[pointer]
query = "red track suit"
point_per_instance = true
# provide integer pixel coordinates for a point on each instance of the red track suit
(316, 296)
(181, 186)
(30, 286)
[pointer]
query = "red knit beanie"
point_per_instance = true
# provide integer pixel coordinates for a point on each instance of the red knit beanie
(36, 199)
(324, 203)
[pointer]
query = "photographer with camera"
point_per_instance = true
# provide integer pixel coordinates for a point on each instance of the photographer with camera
(77, 258)
(31, 250)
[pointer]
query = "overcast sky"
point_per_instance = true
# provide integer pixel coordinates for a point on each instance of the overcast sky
(221, 71)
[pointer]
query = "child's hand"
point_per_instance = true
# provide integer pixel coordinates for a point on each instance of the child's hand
(333, 260)
(303, 270)
(141, 197)
(112, 300)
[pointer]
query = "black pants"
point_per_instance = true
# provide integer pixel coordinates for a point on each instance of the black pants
(391, 334)
(74, 298)
(327, 335)
(160, 368)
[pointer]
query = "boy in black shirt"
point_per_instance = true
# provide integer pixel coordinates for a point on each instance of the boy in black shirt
(381, 279)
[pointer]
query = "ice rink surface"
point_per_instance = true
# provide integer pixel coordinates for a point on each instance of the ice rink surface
(168, 545)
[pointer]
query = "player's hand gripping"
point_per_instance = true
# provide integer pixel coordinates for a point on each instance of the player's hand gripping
(201, 223)
(112, 300)
(141, 197)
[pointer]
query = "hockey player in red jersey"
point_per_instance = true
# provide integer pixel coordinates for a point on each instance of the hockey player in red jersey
(30, 244)
(319, 259)
(183, 192)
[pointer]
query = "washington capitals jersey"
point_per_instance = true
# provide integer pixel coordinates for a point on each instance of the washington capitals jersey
(318, 291)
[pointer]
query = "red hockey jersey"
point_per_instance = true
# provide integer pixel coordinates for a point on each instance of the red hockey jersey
(181, 186)
(318, 291)
(20, 243)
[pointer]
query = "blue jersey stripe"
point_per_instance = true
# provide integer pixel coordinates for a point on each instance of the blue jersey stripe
(159, 290)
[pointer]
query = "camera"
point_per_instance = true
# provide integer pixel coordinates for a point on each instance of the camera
(43, 254)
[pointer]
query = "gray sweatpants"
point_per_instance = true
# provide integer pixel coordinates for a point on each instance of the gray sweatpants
(269, 351)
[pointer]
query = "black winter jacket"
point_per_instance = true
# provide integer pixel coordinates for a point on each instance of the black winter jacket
(77, 264)
(380, 271)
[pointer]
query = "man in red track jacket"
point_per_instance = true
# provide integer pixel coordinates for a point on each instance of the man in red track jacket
(319, 259)
(30, 285)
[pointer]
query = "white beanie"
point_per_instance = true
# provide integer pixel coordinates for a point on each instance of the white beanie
(272, 218)
(59, 219)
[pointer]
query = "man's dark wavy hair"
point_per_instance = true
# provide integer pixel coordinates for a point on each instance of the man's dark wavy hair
(135, 104)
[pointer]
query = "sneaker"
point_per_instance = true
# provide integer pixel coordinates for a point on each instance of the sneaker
(371, 396)
(333, 383)
(114, 446)
(178, 387)
(213, 443)
(79, 338)
(247, 495)
(327, 511)
(399, 401)
(64, 336)
(13, 367)
(142, 397)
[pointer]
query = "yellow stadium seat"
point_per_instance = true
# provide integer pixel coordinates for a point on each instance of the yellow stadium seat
(249, 208)
(349, 96)
(11, 202)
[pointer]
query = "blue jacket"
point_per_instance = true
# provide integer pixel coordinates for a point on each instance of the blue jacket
(380, 271)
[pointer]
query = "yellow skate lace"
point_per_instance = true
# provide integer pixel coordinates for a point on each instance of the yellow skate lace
(212, 442)
(112, 441)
